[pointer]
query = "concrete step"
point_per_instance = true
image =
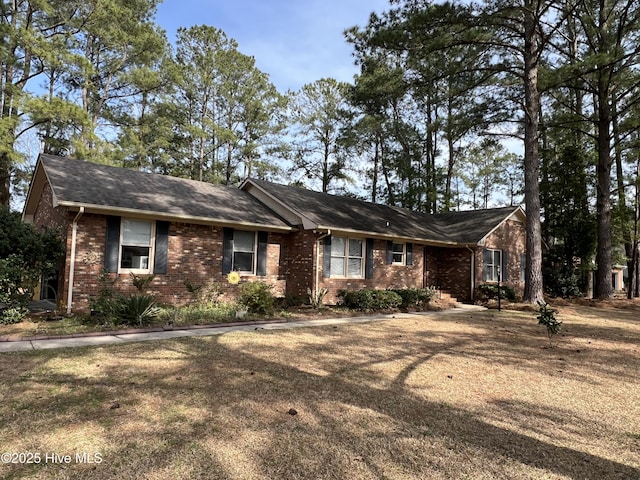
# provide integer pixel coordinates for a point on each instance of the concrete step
(448, 298)
(456, 304)
(468, 307)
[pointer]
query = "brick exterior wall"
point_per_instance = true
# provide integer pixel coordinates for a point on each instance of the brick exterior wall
(298, 260)
(47, 217)
(384, 276)
(194, 256)
(510, 237)
(449, 269)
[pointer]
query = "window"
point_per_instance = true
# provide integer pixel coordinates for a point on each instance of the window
(244, 249)
(397, 254)
(136, 240)
(346, 257)
(244, 252)
(523, 266)
(492, 265)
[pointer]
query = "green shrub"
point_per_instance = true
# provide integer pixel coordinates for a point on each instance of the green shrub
(489, 291)
(414, 297)
(206, 293)
(370, 300)
(257, 297)
(108, 303)
(196, 314)
(565, 283)
(14, 290)
(12, 315)
(290, 300)
(25, 256)
(141, 282)
(548, 318)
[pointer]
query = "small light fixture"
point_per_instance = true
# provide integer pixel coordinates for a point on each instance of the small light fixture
(388, 224)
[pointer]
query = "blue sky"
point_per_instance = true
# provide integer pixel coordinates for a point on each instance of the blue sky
(294, 41)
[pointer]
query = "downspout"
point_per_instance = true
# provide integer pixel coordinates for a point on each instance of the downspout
(72, 264)
(473, 272)
(317, 279)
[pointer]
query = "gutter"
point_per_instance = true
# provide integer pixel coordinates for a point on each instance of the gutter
(317, 279)
(72, 264)
(396, 237)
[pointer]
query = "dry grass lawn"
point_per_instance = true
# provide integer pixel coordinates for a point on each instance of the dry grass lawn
(474, 395)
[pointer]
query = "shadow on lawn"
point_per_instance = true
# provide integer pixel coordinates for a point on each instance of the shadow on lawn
(228, 389)
(611, 351)
(442, 420)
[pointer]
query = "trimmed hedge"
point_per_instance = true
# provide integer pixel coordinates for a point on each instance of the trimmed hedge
(414, 297)
(369, 300)
(489, 291)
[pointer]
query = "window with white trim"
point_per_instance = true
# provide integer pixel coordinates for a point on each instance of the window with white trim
(136, 246)
(398, 254)
(492, 265)
(244, 252)
(347, 258)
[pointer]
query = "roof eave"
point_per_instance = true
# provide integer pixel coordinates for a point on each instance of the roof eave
(101, 209)
(400, 238)
(29, 209)
(517, 209)
(304, 221)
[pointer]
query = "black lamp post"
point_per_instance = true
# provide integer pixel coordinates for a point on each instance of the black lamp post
(499, 293)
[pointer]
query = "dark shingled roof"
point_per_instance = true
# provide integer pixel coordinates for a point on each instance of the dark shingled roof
(336, 212)
(346, 213)
(85, 183)
(471, 226)
(76, 182)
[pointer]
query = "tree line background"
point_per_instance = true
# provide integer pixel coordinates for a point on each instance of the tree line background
(441, 88)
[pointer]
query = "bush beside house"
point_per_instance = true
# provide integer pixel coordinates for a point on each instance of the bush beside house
(25, 257)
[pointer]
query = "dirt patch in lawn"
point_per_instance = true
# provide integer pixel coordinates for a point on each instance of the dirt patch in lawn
(476, 395)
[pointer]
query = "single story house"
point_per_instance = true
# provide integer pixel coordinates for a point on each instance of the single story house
(187, 232)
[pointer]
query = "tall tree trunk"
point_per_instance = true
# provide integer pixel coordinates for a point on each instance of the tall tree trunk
(391, 197)
(5, 179)
(376, 163)
(603, 287)
(325, 166)
(227, 170)
(634, 270)
(533, 291)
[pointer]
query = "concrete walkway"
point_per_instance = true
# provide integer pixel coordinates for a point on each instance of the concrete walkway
(132, 335)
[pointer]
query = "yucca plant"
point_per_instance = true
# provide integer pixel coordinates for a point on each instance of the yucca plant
(316, 299)
(140, 308)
